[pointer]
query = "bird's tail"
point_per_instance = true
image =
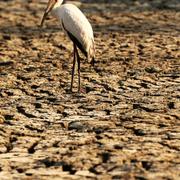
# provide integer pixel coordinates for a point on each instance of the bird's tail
(91, 54)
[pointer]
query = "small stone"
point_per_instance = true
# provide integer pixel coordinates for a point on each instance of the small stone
(139, 132)
(75, 125)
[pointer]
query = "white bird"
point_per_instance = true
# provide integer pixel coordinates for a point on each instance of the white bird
(77, 27)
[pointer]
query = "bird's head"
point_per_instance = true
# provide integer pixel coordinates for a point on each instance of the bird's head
(50, 6)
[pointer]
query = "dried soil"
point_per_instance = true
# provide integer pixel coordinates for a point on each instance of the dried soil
(126, 123)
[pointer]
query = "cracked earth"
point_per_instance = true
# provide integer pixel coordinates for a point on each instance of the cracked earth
(126, 124)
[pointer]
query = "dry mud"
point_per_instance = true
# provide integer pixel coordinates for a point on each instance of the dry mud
(126, 123)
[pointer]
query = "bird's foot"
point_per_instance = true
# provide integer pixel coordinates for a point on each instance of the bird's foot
(81, 90)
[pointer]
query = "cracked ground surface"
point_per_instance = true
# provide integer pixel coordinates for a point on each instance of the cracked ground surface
(125, 125)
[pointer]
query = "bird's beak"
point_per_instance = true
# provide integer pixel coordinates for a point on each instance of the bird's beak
(49, 7)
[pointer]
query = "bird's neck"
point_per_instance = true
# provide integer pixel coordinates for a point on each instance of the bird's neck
(58, 4)
(56, 7)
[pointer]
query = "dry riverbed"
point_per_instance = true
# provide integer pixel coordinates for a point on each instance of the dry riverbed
(127, 123)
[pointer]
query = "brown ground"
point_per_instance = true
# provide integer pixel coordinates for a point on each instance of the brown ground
(126, 125)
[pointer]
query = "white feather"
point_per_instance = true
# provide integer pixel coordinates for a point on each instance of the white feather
(76, 23)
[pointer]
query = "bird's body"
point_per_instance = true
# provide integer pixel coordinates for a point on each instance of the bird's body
(75, 23)
(77, 27)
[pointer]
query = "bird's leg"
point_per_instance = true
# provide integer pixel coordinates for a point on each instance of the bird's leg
(73, 68)
(78, 61)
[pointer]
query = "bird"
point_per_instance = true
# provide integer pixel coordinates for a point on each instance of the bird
(79, 30)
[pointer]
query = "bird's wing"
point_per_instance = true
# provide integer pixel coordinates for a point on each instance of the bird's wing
(77, 24)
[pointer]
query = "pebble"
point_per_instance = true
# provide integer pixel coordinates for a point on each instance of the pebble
(75, 125)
